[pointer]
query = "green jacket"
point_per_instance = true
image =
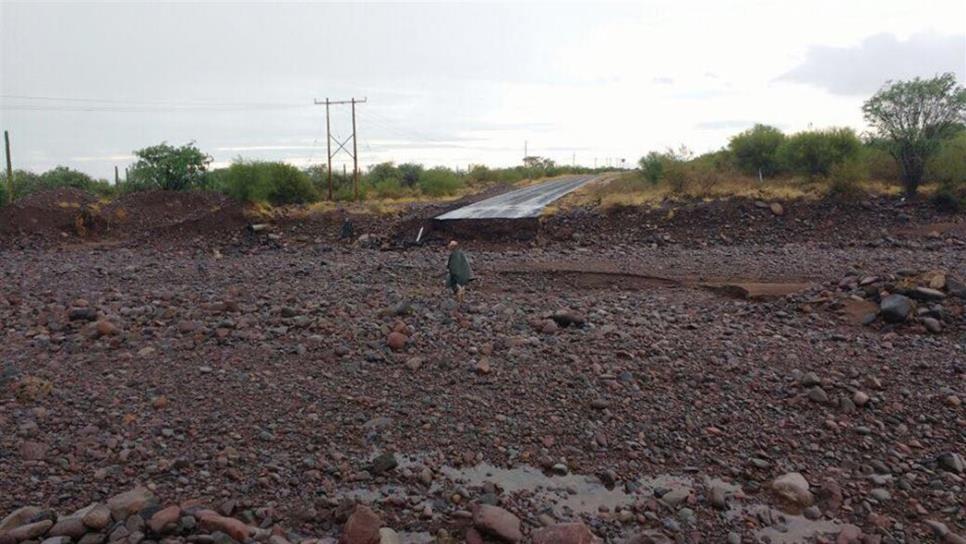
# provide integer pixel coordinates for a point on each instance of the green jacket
(459, 270)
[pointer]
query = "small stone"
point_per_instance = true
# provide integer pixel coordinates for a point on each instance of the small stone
(793, 487)
(952, 462)
(812, 513)
(30, 531)
(817, 394)
(880, 494)
(19, 517)
(809, 379)
(860, 399)
(676, 496)
(130, 502)
(212, 521)
(776, 208)
(98, 517)
(932, 325)
(383, 463)
(362, 527)
(164, 518)
(388, 536)
(895, 308)
(498, 522)
(396, 341)
(71, 527)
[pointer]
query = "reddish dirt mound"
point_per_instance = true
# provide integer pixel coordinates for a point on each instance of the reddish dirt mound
(47, 213)
(189, 212)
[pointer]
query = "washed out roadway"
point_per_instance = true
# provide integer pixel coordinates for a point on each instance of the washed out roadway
(527, 202)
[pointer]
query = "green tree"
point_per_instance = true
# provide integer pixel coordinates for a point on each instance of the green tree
(912, 118)
(652, 166)
(756, 150)
(815, 152)
(170, 168)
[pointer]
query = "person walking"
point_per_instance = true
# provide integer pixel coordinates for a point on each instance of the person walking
(458, 271)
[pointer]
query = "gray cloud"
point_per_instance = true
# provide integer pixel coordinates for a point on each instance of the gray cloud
(864, 68)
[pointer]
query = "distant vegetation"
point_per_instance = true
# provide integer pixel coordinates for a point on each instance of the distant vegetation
(919, 135)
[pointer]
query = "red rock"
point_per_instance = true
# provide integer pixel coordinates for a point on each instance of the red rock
(396, 341)
(161, 518)
(564, 533)
(497, 522)
(211, 521)
(362, 527)
(106, 328)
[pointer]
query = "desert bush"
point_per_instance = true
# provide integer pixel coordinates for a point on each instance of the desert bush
(388, 188)
(652, 167)
(266, 182)
(410, 173)
(813, 153)
(439, 181)
(63, 176)
(756, 150)
(24, 183)
(481, 174)
(844, 178)
(948, 166)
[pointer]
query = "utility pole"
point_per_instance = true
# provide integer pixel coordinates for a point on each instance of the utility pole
(573, 160)
(355, 154)
(117, 178)
(341, 145)
(6, 144)
(328, 145)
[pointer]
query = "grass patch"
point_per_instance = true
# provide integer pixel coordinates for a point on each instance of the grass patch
(631, 189)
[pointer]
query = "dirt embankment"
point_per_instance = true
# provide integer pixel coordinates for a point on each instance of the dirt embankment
(698, 223)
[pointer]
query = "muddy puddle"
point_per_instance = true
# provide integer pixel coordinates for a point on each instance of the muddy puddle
(573, 496)
(567, 495)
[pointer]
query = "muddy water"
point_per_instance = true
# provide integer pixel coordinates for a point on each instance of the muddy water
(572, 496)
(568, 495)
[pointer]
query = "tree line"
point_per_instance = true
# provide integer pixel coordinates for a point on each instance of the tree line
(918, 133)
(178, 168)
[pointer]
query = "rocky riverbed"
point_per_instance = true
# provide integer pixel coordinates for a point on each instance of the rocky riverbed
(309, 390)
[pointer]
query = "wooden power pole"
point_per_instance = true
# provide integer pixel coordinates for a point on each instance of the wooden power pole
(6, 145)
(342, 145)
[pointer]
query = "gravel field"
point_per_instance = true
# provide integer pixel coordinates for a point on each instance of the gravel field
(594, 380)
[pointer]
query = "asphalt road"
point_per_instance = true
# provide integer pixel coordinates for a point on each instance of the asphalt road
(527, 202)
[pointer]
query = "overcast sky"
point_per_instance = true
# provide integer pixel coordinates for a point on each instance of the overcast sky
(85, 84)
